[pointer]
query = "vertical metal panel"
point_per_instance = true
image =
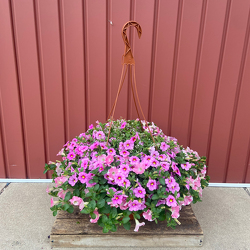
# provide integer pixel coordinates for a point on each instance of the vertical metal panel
(11, 126)
(210, 53)
(61, 63)
(165, 43)
(118, 14)
(71, 28)
(27, 61)
(190, 24)
(2, 168)
(247, 173)
(237, 165)
(96, 23)
(227, 88)
(48, 36)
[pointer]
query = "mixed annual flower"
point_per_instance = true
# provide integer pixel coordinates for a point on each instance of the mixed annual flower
(126, 174)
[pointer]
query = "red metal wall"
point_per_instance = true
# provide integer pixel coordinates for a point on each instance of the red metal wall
(60, 64)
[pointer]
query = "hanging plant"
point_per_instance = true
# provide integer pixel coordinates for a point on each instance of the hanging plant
(126, 169)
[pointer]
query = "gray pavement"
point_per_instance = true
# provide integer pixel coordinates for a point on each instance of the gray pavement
(26, 219)
(2, 185)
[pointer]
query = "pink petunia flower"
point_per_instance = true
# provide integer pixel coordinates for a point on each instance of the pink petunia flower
(134, 205)
(138, 225)
(124, 204)
(186, 166)
(139, 192)
(155, 163)
(124, 153)
(162, 157)
(151, 184)
(94, 145)
(75, 200)
(71, 155)
(187, 200)
(165, 165)
(164, 146)
(171, 201)
(117, 199)
(160, 202)
(119, 179)
(125, 183)
(48, 189)
(91, 126)
(139, 168)
(109, 159)
(125, 169)
(112, 172)
(128, 145)
(100, 135)
(174, 187)
(83, 177)
(62, 193)
(60, 180)
(176, 169)
(148, 159)
(123, 125)
(169, 181)
(61, 152)
(73, 180)
(96, 218)
(148, 215)
(134, 160)
(133, 139)
(175, 212)
(155, 154)
(111, 151)
(101, 158)
(103, 145)
(51, 202)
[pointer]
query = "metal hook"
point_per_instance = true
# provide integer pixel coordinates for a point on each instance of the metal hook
(128, 56)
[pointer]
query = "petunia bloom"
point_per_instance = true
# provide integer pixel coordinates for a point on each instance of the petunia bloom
(96, 218)
(151, 185)
(171, 201)
(138, 225)
(139, 192)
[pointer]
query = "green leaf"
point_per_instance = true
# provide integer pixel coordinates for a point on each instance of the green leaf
(127, 225)
(85, 210)
(105, 209)
(76, 192)
(92, 204)
(105, 230)
(89, 194)
(155, 197)
(68, 196)
(93, 215)
(70, 209)
(54, 213)
(162, 181)
(113, 228)
(65, 206)
(137, 216)
(162, 215)
(113, 212)
(100, 203)
(96, 187)
(104, 218)
(125, 220)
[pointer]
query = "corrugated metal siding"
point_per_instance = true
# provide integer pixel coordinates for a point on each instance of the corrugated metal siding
(60, 64)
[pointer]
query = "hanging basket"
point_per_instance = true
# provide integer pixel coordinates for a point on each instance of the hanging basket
(123, 169)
